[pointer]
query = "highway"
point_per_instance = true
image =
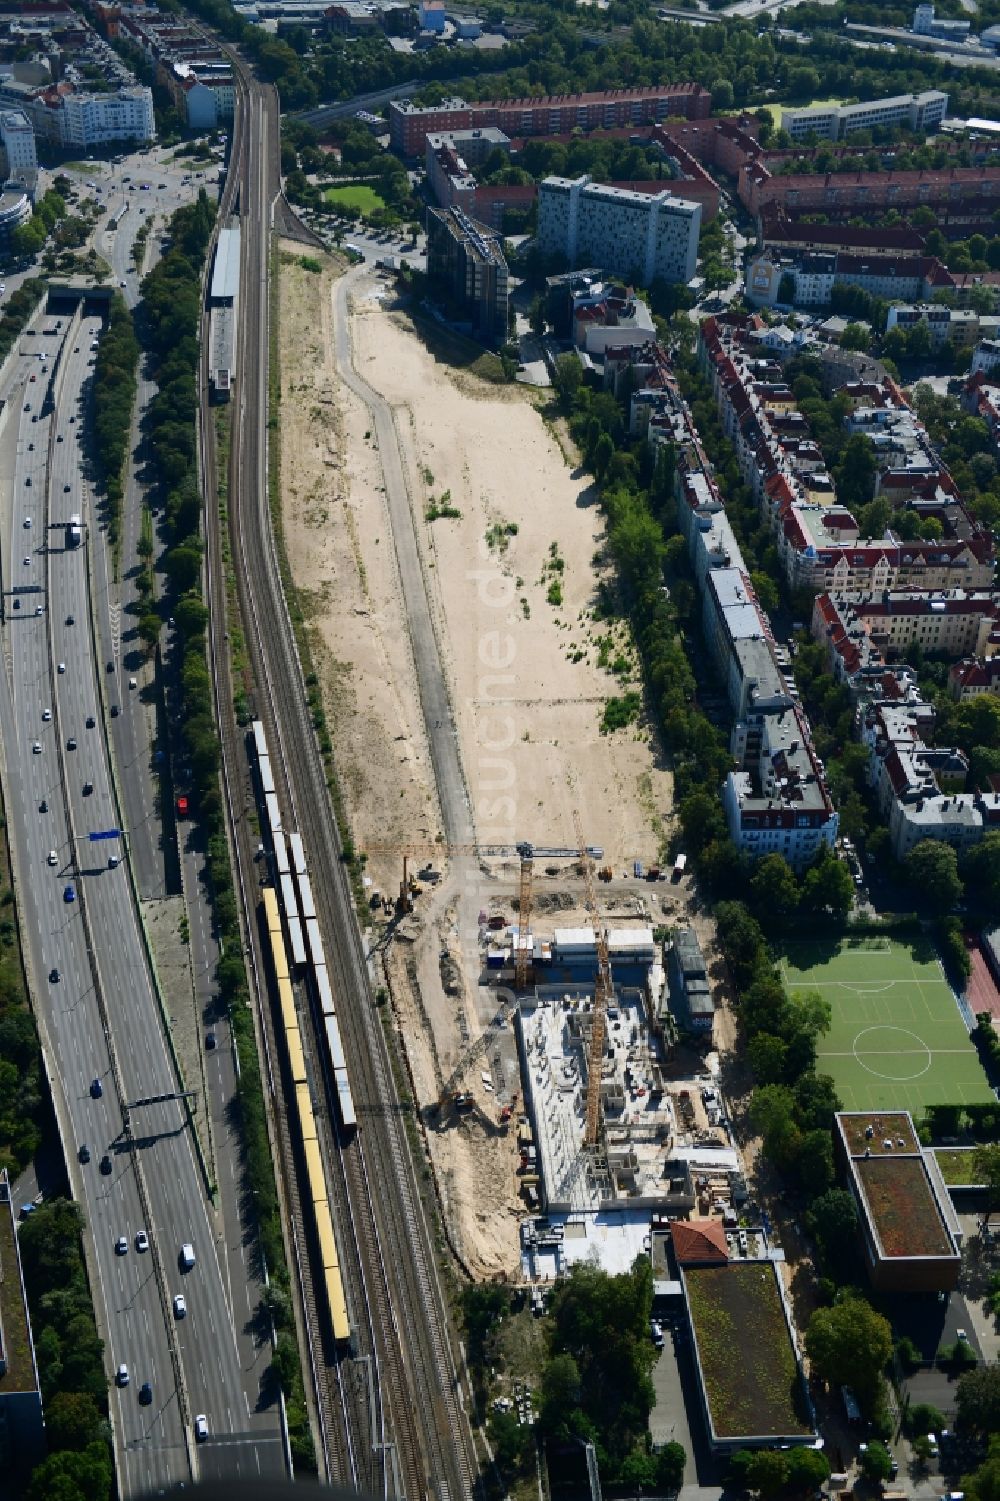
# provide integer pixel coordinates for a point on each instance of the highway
(150, 1440)
(101, 1017)
(396, 1305)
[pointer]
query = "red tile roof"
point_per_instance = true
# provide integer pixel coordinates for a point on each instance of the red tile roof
(699, 1241)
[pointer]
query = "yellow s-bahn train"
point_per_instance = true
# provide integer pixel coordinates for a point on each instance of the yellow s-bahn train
(315, 1177)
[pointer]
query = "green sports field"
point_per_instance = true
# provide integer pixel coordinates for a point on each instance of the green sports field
(897, 1040)
(355, 195)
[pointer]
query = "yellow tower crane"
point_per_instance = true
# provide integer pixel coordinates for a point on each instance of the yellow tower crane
(603, 993)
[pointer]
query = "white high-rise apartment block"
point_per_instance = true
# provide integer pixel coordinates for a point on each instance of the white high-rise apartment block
(638, 236)
(18, 140)
(91, 119)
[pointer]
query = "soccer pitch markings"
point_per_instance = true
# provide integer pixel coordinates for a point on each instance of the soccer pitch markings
(896, 1039)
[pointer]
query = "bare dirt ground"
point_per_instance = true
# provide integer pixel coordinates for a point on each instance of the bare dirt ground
(340, 553)
(512, 580)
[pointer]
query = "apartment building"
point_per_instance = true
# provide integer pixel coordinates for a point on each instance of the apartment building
(641, 236)
(985, 357)
(863, 633)
(18, 140)
(971, 678)
(410, 124)
(918, 112)
(71, 117)
(776, 799)
(465, 260)
(959, 325)
(920, 788)
(813, 274)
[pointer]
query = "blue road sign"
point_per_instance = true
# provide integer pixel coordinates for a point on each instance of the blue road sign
(104, 834)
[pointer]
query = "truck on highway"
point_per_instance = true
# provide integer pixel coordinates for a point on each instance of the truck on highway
(74, 532)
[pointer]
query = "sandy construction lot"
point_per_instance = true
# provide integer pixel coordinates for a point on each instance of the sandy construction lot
(513, 587)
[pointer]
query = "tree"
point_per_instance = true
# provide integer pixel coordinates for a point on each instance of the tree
(977, 1399)
(567, 377)
(72, 1421)
(67, 1476)
(849, 1344)
(984, 1484)
(857, 336)
(924, 1419)
(932, 872)
(807, 1470)
(767, 1472)
(986, 1167)
(827, 887)
(670, 1468)
(835, 1225)
(560, 1398)
(774, 891)
(722, 95)
(876, 1462)
(856, 471)
(981, 872)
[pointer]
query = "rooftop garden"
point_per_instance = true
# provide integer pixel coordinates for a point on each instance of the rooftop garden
(738, 1308)
(902, 1206)
(887, 1126)
(958, 1166)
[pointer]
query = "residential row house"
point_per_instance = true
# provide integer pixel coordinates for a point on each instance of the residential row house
(775, 798)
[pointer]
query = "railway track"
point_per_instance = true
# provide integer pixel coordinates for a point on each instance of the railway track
(329, 1405)
(409, 1400)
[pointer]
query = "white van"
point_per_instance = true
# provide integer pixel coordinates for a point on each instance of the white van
(186, 1257)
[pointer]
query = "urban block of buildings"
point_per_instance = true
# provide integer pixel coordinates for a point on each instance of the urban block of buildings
(50, 86)
(864, 633)
(909, 1229)
(411, 124)
(465, 260)
(831, 122)
(641, 236)
(451, 158)
(920, 787)
(189, 64)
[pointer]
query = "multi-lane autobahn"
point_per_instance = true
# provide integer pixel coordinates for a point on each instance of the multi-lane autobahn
(133, 1171)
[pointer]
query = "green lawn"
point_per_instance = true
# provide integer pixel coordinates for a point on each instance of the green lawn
(355, 195)
(897, 1039)
(774, 110)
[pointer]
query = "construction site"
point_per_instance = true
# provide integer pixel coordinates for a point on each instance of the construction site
(453, 927)
(591, 1091)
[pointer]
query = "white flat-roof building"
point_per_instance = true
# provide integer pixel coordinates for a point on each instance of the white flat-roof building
(18, 140)
(830, 122)
(636, 235)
